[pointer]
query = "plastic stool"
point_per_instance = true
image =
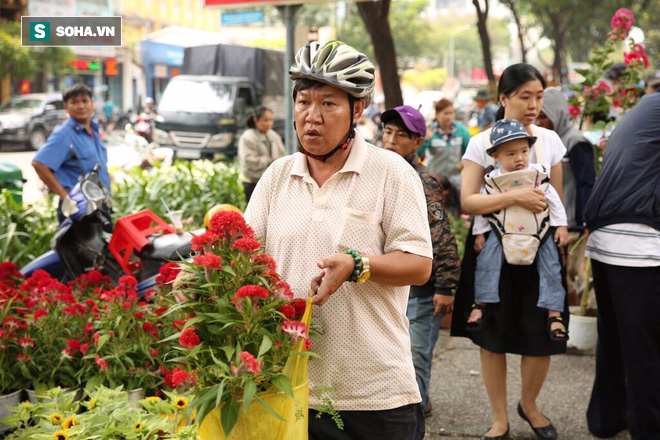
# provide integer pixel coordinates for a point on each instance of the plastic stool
(130, 234)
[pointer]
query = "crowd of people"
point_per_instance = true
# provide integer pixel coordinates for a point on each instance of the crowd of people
(364, 230)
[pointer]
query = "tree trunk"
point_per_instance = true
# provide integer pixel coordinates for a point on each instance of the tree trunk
(521, 32)
(482, 18)
(558, 65)
(374, 15)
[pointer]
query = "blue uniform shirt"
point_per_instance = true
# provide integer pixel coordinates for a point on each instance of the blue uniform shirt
(56, 155)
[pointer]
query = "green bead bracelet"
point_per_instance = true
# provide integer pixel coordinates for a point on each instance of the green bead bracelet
(358, 265)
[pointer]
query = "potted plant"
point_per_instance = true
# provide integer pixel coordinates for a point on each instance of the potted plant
(596, 96)
(241, 328)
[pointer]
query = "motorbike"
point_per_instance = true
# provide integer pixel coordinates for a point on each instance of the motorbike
(139, 244)
(144, 126)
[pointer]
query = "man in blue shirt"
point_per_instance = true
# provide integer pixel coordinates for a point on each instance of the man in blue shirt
(54, 162)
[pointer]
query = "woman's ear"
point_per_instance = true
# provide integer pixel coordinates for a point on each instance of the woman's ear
(502, 99)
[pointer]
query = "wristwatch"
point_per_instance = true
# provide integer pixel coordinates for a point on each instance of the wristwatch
(365, 273)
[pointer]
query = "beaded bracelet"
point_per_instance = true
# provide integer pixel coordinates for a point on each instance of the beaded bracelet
(358, 265)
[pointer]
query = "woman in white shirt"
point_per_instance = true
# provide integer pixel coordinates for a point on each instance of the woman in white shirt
(515, 324)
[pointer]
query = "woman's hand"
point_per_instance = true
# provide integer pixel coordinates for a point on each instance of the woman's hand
(531, 199)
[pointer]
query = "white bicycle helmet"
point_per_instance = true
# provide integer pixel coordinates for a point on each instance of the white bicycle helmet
(337, 64)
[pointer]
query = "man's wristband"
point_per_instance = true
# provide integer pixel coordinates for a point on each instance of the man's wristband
(357, 268)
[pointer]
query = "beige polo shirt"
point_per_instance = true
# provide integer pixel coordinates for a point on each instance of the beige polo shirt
(375, 204)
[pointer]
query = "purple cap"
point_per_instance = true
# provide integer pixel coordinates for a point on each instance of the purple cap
(412, 119)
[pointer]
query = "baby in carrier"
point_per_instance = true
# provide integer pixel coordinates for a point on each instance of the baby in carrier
(517, 233)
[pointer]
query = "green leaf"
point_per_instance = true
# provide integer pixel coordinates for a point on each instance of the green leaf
(102, 341)
(248, 394)
(283, 383)
(229, 351)
(266, 344)
(229, 415)
(583, 72)
(221, 390)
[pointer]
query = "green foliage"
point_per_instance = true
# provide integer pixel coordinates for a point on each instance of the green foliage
(409, 45)
(25, 62)
(108, 415)
(191, 186)
(460, 227)
(25, 233)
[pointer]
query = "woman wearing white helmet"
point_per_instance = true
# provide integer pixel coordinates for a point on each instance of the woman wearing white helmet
(352, 219)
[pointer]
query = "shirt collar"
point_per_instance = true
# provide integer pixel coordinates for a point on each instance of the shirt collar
(78, 127)
(354, 163)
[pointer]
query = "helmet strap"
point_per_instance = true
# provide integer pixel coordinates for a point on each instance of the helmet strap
(342, 146)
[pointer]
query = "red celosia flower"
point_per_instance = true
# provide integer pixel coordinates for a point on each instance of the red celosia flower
(128, 282)
(148, 327)
(11, 323)
(26, 342)
(283, 290)
(178, 377)
(101, 362)
(265, 260)
(23, 357)
(203, 242)
(67, 353)
(288, 311)
(96, 338)
(189, 338)
(40, 313)
(248, 364)
(178, 324)
(300, 305)
(89, 327)
(167, 274)
(84, 348)
(73, 345)
(253, 292)
(296, 329)
(138, 315)
(153, 352)
(210, 261)
(247, 245)
(230, 225)
(160, 310)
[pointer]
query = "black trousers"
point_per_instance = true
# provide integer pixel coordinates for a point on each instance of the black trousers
(626, 391)
(404, 423)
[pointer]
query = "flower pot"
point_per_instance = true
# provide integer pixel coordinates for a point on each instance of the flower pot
(583, 333)
(134, 396)
(7, 401)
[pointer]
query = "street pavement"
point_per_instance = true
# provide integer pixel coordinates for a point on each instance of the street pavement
(460, 403)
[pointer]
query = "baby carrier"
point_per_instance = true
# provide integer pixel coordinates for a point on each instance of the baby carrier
(520, 231)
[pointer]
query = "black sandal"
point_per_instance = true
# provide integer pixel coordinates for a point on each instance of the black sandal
(558, 334)
(479, 323)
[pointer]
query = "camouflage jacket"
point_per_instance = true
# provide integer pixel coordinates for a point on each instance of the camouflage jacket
(446, 263)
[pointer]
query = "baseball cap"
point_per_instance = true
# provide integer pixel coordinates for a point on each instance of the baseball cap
(412, 119)
(653, 79)
(506, 130)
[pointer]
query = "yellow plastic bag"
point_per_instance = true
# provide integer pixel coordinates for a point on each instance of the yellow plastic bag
(257, 423)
